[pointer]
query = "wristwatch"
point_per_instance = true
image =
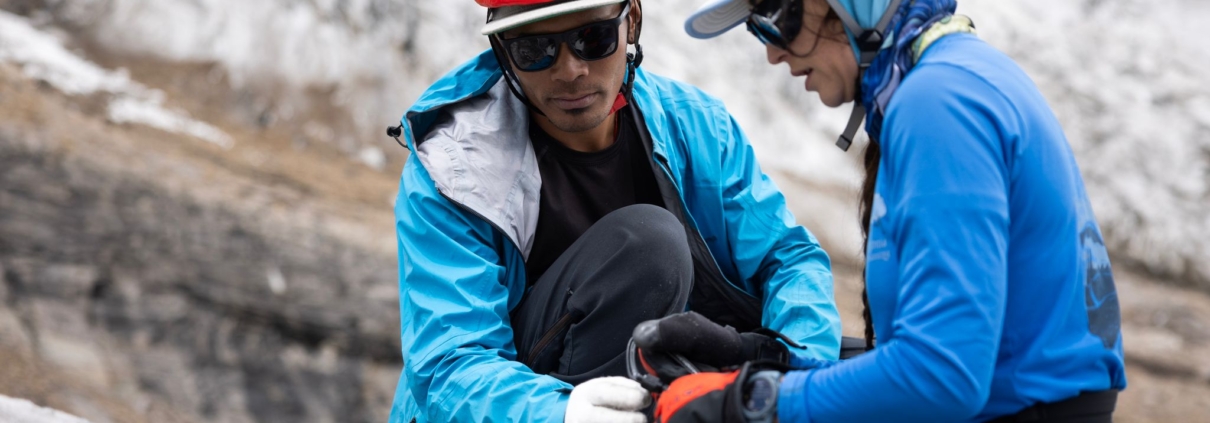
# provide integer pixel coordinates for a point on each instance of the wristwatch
(760, 396)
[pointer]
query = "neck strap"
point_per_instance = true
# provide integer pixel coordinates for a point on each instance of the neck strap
(869, 42)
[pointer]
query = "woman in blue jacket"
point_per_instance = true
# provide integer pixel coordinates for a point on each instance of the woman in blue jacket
(990, 295)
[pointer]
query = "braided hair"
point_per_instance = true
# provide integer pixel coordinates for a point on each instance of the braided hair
(878, 84)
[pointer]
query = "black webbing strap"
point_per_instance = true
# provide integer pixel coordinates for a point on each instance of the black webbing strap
(869, 42)
(1088, 407)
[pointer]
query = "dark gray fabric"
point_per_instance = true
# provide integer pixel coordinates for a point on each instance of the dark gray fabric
(632, 265)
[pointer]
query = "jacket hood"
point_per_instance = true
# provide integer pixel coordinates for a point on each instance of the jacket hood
(471, 134)
(472, 78)
(469, 118)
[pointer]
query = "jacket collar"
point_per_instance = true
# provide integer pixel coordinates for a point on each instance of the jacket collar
(471, 134)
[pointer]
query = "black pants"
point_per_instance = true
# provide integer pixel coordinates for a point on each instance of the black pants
(631, 266)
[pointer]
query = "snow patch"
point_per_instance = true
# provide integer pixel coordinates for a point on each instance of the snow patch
(151, 113)
(44, 58)
(16, 410)
(1133, 93)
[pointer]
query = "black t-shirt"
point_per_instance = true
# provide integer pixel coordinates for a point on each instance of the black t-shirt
(579, 188)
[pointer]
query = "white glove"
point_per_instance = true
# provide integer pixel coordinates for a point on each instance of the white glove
(607, 400)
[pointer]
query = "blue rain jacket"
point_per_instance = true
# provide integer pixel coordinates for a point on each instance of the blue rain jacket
(465, 215)
(989, 283)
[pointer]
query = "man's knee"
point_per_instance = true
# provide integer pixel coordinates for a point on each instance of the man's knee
(655, 248)
(648, 227)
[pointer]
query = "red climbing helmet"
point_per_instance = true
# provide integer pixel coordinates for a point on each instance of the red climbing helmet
(504, 15)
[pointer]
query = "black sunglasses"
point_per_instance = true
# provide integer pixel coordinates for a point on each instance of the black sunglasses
(776, 22)
(595, 41)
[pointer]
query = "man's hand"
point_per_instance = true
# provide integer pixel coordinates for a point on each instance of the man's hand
(702, 341)
(607, 399)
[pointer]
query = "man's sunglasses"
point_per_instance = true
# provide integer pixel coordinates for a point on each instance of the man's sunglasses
(776, 22)
(595, 41)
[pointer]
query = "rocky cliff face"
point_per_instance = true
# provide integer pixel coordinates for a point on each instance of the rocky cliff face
(164, 282)
(195, 297)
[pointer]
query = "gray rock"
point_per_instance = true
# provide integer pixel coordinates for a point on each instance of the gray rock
(13, 336)
(67, 280)
(124, 284)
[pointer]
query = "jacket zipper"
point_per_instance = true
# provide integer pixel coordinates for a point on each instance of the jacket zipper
(714, 272)
(717, 272)
(665, 169)
(667, 173)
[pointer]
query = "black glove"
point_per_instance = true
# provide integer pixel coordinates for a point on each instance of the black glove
(655, 370)
(702, 341)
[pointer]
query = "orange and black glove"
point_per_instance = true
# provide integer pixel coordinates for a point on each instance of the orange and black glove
(747, 395)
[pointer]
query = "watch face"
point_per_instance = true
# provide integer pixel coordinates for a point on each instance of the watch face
(761, 395)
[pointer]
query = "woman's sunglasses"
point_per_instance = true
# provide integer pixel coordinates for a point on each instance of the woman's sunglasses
(595, 41)
(776, 22)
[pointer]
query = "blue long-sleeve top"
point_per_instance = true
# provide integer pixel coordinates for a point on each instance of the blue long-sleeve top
(988, 281)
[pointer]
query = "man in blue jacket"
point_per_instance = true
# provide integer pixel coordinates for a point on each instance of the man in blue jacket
(551, 204)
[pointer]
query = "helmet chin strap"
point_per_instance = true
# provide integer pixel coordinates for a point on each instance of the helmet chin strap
(850, 130)
(633, 60)
(869, 42)
(510, 78)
